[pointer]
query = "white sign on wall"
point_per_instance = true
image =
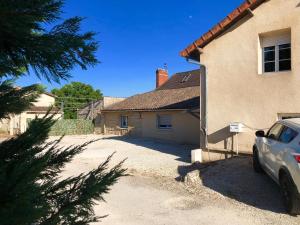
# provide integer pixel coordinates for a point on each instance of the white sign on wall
(236, 127)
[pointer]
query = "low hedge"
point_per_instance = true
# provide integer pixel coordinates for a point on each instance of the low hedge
(72, 127)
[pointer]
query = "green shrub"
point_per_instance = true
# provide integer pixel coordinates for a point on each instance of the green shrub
(72, 127)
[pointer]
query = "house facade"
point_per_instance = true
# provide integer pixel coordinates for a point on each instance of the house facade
(252, 61)
(170, 112)
(17, 124)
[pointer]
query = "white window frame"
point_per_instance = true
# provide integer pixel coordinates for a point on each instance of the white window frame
(276, 60)
(122, 118)
(288, 115)
(275, 39)
(163, 126)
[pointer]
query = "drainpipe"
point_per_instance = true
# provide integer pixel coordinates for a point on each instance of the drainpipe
(203, 103)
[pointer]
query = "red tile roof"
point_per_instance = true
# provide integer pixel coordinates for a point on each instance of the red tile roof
(180, 92)
(166, 99)
(218, 29)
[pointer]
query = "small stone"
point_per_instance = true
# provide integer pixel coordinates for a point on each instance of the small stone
(193, 178)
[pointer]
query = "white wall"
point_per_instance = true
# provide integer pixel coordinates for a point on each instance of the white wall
(44, 100)
(20, 122)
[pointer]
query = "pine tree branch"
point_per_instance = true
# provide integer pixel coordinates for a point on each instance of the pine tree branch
(29, 164)
(24, 43)
(16, 100)
(82, 191)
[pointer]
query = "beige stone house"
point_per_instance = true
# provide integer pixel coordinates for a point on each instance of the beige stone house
(170, 112)
(252, 75)
(18, 123)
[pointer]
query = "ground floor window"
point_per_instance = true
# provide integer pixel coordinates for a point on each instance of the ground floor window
(164, 121)
(124, 121)
(284, 116)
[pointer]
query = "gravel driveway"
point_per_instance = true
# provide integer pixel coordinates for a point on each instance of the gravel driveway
(229, 192)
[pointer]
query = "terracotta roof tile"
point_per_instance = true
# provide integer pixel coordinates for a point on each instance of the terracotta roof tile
(182, 80)
(176, 93)
(183, 98)
(221, 27)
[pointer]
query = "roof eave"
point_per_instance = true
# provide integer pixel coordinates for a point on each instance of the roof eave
(141, 110)
(244, 9)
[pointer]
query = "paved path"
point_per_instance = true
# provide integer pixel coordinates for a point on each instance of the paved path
(231, 192)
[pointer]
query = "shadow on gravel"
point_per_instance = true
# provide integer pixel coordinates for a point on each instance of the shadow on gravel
(236, 179)
(183, 152)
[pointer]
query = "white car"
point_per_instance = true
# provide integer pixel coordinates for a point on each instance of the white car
(278, 154)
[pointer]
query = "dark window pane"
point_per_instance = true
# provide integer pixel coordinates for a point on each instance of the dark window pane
(270, 67)
(271, 48)
(124, 121)
(284, 65)
(164, 121)
(285, 53)
(284, 46)
(269, 56)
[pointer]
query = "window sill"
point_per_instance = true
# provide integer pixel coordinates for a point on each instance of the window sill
(271, 74)
(164, 128)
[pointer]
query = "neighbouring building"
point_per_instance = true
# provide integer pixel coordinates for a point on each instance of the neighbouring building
(252, 61)
(93, 111)
(170, 112)
(18, 123)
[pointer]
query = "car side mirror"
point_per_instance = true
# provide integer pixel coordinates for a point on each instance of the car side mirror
(260, 133)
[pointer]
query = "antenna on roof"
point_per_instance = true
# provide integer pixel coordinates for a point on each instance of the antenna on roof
(165, 66)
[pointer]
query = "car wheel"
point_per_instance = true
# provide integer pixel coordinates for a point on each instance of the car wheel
(256, 164)
(290, 195)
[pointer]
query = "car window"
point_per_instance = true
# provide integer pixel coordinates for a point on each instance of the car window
(275, 131)
(287, 135)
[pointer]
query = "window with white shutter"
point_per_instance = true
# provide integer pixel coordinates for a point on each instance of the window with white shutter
(164, 121)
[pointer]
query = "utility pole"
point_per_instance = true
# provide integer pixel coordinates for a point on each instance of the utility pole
(92, 110)
(62, 109)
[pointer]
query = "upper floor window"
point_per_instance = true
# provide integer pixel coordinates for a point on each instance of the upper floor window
(275, 51)
(277, 58)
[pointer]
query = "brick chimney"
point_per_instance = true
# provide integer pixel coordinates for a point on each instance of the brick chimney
(161, 77)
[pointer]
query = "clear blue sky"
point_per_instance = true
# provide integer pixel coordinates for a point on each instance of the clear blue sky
(138, 36)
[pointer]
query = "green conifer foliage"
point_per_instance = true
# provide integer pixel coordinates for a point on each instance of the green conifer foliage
(31, 189)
